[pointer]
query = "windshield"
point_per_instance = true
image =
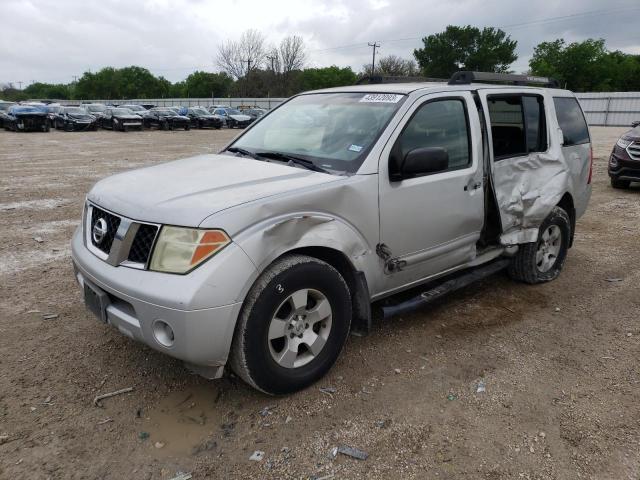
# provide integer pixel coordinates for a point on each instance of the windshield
(74, 110)
(54, 109)
(164, 113)
(121, 111)
(333, 130)
(233, 111)
(96, 108)
(135, 108)
(199, 111)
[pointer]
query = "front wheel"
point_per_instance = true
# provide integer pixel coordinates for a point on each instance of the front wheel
(542, 261)
(292, 326)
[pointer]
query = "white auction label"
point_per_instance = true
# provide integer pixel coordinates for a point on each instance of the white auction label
(381, 98)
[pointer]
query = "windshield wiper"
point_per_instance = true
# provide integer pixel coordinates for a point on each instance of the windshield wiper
(308, 164)
(244, 152)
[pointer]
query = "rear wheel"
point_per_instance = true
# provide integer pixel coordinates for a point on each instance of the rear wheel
(615, 183)
(292, 326)
(543, 260)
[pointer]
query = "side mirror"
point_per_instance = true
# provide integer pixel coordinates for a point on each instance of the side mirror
(635, 124)
(420, 161)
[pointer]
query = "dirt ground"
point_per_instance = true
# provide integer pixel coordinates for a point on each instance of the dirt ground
(559, 361)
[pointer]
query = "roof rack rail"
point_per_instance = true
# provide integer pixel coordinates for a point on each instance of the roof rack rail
(377, 79)
(465, 78)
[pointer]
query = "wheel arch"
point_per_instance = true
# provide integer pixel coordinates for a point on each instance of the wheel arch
(356, 281)
(567, 204)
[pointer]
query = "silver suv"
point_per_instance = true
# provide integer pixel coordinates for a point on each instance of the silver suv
(264, 257)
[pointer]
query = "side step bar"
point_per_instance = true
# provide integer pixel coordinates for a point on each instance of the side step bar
(451, 285)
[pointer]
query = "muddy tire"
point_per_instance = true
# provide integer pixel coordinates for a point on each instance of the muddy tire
(621, 184)
(543, 260)
(293, 325)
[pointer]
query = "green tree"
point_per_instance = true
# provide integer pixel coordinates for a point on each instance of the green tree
(586, 66)
(49, 91)
(205, 84)
(466, 48)
(314, 78)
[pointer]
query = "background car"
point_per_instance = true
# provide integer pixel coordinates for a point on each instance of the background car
(95, 109)
(4, 106)
(201, 118)
(52, 110)
(166, 119)
(137, 109)
(25, 118)
(121, 119)
(624, 162)
(233, 118)
(254, 113)
(73, 119)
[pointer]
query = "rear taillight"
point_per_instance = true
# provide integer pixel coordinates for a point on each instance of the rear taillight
(590, 165)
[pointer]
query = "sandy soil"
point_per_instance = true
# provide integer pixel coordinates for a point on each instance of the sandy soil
(559, 361)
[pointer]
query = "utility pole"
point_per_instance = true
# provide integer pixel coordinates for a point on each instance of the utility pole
(373, 62)
(20, 83)
(272, 59)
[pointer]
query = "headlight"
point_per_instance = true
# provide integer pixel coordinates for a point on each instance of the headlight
(179, 250)
(622, 143)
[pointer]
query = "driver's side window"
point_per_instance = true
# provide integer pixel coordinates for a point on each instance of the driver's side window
(437, 123)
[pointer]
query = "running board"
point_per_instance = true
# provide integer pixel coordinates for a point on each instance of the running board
(448, 286)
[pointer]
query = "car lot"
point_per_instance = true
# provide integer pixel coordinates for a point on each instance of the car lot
(559, 360)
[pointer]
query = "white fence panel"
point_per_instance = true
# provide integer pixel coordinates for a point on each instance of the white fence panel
(611, 109)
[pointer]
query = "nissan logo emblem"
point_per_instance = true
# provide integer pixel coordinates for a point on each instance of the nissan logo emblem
(99, 231)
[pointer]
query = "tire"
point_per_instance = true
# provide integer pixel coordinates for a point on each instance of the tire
(164, 126)
(536, 262)
(187, 127)
(254, 356)
(622, 184)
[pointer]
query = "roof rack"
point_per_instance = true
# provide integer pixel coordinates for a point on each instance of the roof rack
(465, 78)
(377, 79)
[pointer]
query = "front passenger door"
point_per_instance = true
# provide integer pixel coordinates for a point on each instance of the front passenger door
(430, 223)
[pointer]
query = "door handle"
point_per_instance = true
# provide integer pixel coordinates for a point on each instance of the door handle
(475, 186)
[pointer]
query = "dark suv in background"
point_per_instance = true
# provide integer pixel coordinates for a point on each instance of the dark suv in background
(624, 162)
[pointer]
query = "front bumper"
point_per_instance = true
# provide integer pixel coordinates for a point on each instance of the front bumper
(201, 307)
(621, 167)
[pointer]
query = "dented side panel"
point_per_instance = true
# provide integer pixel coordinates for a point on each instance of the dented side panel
(342, 215)
(528, 187)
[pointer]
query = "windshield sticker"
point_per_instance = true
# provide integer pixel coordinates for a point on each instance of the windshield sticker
(381, 98)
(355, 148)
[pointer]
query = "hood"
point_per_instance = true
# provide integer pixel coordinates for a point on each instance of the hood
(241, 118)
(633, 134)
(185, 192)
(128, 117)
(81, 116)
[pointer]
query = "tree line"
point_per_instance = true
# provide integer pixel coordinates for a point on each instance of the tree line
(250, 67)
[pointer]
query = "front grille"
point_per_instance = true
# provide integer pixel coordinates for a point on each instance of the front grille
(142, 243)
(634, 150)
(112, 221)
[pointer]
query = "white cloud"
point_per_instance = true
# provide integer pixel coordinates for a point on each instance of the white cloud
(46, 40)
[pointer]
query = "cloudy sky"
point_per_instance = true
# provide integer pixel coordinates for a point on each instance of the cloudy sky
(53, 40)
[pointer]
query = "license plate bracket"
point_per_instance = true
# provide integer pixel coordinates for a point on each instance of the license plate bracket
(96, 301)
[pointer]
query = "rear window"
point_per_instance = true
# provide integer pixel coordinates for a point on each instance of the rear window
(518, 125)
(571, 121)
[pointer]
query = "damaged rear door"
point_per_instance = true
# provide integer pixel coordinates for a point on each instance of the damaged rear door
(528, 174)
